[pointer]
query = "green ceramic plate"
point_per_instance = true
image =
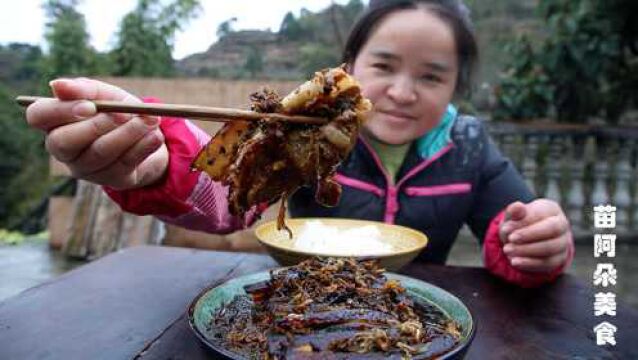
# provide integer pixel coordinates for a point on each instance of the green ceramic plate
(207, 302)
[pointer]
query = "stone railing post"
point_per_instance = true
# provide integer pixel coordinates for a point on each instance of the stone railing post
(553, 164)
(599, 193)
(529, 165)
(622, 172)
(575, 193)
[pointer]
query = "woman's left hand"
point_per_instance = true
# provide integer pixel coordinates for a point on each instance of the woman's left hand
(536, 236)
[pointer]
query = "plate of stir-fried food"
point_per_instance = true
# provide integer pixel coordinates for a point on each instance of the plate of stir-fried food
(331, 308)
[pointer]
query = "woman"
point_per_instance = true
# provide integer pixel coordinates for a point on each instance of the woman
(418, 163)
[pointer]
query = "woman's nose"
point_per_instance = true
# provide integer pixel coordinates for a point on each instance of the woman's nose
(402, 90)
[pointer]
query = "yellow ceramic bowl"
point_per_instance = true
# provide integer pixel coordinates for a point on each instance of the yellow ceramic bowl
(406, 242)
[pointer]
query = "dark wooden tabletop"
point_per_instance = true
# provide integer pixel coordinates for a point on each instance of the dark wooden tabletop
(132, 304)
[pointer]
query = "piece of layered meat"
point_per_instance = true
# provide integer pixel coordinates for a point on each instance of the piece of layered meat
(266, 161)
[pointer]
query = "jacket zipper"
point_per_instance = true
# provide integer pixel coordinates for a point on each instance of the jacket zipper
(391, 201)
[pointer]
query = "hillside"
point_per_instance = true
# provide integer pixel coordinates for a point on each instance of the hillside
(301, 45)
(313, 40)
(228, 57)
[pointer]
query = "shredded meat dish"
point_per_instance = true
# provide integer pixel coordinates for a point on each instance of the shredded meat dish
(265, 161)
(332, 308)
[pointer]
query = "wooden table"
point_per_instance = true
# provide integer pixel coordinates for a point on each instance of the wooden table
(132, 304)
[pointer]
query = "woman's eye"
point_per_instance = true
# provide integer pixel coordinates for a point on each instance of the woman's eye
(431, 78)
(381, 66)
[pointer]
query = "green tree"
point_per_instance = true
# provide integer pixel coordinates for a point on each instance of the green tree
(23, 165)
(254, 62)
(69, 52)
(313, 27)
(586, 67)
(20, 66)
(314, 57)
(10, 152)
(145, 37)
(352, 9)
(290, 28)
(225, 28)
(24, 173)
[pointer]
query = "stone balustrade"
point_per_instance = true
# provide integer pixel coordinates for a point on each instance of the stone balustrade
(579, 167)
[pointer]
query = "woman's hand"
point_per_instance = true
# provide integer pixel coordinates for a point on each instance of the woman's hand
(123, 151)
(536, 236)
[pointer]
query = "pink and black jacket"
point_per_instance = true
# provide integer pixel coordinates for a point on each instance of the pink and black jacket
(467, 181)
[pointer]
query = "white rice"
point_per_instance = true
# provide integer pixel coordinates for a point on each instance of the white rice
(317, 237)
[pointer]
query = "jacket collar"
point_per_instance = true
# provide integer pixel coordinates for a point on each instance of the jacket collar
(439, 137)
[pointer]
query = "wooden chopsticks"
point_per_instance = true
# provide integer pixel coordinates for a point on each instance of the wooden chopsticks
(187, 111)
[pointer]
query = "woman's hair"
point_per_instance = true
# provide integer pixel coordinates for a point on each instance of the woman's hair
(453, 12)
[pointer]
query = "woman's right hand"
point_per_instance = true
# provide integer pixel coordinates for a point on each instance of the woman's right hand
(122, 151)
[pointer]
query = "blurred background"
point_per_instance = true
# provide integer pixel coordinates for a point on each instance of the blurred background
(557, 86)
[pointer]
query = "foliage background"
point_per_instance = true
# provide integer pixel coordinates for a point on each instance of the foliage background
(144, 46)
(584, 66)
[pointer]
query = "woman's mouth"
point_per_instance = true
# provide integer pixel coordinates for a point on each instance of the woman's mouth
(397, 117)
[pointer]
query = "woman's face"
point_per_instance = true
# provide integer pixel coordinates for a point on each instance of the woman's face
(408, 69)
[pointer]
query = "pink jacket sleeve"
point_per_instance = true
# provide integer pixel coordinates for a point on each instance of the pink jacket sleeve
(498, 264)
(184, 197)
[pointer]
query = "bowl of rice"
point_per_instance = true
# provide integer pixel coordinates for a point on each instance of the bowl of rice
(393, 245)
